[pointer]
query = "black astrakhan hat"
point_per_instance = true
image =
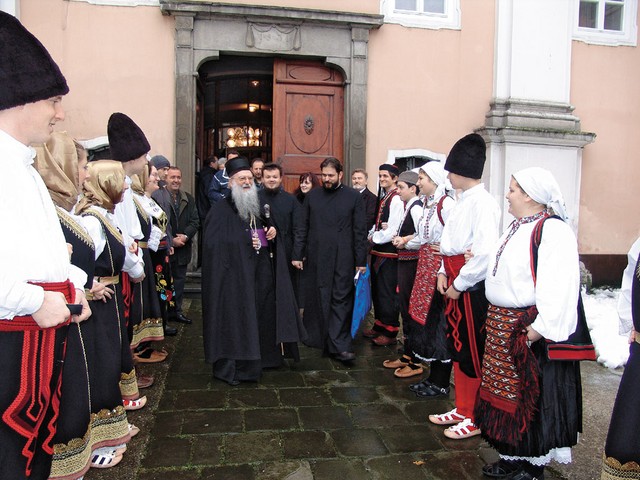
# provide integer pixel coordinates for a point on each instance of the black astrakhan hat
(27, 71)
(126, 140)
(235, 165)
(467, 157)
(392, 169)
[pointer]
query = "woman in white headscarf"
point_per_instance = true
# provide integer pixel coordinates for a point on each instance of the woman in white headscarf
(530, 408)
(426, 307)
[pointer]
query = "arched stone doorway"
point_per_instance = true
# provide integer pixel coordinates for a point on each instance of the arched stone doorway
(283, 110)
(207, 30)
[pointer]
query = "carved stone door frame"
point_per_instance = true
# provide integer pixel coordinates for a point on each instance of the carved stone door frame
(205, 29)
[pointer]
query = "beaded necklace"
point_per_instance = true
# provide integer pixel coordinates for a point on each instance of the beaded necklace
(514, 228)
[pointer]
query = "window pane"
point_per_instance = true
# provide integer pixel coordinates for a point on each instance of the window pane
(613, 17)
(588, 14)
(406, 5)
(434, 6)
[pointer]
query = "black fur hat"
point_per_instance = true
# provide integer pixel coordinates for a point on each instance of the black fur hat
(126, 140)
(27, 71)
(467, 157)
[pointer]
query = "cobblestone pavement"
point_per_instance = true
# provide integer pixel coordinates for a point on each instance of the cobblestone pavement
(316, 419)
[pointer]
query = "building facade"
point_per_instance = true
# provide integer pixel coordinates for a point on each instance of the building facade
(546, 82)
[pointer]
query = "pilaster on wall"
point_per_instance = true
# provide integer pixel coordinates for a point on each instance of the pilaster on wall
(530, 121)
(356, 90)
(185, 99)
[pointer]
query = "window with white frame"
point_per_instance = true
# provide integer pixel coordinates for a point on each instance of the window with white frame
(606, 22)
(422, 13)
(122, 3)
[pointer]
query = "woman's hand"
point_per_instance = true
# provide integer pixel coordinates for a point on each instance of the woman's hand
(532, 335)
(441, 284)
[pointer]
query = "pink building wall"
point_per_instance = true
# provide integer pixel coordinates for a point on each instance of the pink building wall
(114, 59)
(428, 88)
(604, 90)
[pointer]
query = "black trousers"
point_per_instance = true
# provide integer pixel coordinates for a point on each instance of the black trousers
(406, 277)
(384, 283)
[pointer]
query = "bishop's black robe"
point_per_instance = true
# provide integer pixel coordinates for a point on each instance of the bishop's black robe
(332, 236)
(248, 303)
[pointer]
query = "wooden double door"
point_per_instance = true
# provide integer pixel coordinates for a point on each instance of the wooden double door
(308, 117)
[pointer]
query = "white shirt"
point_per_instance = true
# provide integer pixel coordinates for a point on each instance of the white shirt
(558, 277)
(131, 264)
(416, 215)
(129, 224)
(127, 217)
(472, 225)
(433, 233)
(625, 323)
(396, 214)
(32, 245)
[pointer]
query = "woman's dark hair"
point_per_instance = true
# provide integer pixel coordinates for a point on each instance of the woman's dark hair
(314, 184)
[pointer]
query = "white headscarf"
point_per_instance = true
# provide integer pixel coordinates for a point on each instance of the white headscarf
(542, 187)
(438, 175)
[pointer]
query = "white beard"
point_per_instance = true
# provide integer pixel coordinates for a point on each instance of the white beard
(246, 201)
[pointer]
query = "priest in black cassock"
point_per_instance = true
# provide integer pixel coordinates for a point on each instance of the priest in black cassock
(331, 238)
(284, 211)
(250, 316)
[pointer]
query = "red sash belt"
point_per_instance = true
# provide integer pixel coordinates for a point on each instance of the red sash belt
(26, 322)
(452, 266)
(39, 391)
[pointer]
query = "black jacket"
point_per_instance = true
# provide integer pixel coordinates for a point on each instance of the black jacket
(185, 220)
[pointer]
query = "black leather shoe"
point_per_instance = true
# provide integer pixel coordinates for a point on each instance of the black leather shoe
(345, 356)
(432, 391)
(182, 319)
(415, 387)
(170, 331)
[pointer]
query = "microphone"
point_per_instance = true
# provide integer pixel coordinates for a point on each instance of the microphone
(267, 216)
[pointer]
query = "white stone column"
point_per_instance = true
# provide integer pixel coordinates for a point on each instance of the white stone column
(531, 122)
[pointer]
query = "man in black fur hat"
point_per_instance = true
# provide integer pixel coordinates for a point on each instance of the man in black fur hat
(472, 223)
(249, 312)
(36, 279)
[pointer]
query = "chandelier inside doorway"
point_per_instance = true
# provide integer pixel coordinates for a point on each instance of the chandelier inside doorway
(243, 137)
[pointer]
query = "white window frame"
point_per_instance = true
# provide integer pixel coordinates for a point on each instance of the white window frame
(627, 36)
(451, 19)
(122, 3)
(392, 155)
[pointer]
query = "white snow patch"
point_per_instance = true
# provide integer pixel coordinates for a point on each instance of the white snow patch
(600, 307)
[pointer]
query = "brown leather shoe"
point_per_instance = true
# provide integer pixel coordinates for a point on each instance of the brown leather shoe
(370, 333)
(397, 363)
(145, 381)
(383, 341)
(150, 356)
(407, 371)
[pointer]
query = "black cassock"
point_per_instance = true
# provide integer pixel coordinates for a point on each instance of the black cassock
(249, 308)
(332, 236)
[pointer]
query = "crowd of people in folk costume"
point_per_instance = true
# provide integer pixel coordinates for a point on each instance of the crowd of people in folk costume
(94, 257)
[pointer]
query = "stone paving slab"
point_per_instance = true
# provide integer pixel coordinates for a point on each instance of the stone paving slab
(315, 420)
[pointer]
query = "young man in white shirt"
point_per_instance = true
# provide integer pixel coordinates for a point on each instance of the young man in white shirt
(472, 225)
(384, 260)
(37, 281)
